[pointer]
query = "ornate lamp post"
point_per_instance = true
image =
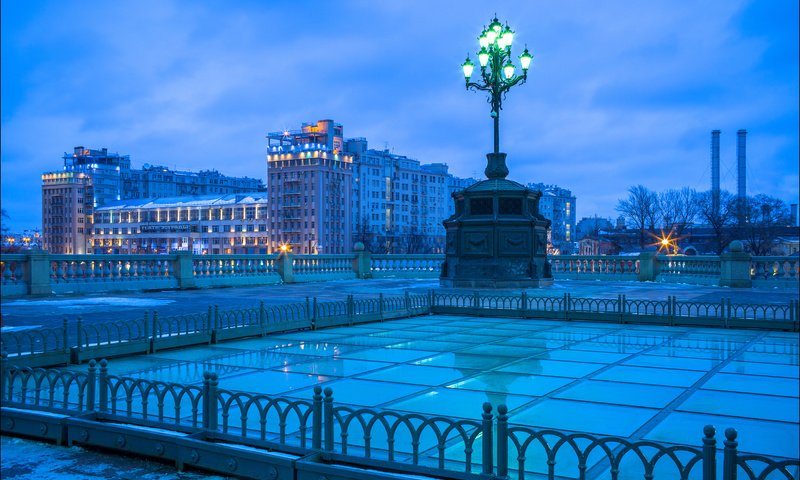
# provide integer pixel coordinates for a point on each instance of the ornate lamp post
(496, 238)
(497, 77)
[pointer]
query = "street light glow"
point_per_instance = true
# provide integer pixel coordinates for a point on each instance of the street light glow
(497, 70)
(468, 66)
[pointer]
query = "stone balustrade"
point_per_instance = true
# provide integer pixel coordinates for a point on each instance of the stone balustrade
(618, 267)
(773, 270)
(38, 273)
(699, 270)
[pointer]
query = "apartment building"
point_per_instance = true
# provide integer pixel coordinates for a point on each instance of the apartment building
(92, 178)
(310, 185)
(211, 224)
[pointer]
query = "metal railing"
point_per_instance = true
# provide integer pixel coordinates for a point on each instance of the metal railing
(78, 341)
(489, 446)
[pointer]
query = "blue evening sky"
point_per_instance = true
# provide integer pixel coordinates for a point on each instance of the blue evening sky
(620, 92)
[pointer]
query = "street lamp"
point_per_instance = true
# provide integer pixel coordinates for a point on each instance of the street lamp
(497, 77)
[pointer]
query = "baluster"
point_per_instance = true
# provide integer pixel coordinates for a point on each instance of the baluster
(59, 272)
(70, 273)
(144, 269)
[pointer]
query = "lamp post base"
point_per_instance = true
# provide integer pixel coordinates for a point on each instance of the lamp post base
(496, 238)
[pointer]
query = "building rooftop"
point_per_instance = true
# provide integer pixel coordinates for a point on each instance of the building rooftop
(186, 201)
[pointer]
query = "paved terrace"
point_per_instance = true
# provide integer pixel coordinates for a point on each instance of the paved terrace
(638, 382)
(132, 305)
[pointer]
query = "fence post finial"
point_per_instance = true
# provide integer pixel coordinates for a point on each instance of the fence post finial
(102, 384)
(486, 432)
(502, 441)
(328, 414)
(709, 453)
(729, 461)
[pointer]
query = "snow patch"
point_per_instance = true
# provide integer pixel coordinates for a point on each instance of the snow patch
(84, 303)
(19, 328)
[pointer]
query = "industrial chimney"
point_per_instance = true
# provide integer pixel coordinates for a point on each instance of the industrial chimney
(715, 171)
(741, 162)
(741, 172)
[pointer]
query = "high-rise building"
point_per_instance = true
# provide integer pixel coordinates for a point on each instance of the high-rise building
(93, 178)
(326, 193)
(67, 206)
(558, 205)
(310, 184)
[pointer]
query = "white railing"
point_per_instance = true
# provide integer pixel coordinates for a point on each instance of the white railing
(110, 268)
(775, 270)
(411, 265)
(704, 270)
(229, 270)
(600, 266)
(322, 264)
(39, 273)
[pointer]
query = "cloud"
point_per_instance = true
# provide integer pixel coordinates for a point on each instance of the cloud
(620, 93)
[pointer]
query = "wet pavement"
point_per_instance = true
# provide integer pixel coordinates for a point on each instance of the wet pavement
(132, 305)
(634, 381)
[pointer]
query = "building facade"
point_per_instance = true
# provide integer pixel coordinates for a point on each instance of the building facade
(93, 178)
(212, 224)
(398, 204)
(558, 205)
(67, 206)
(310, 185)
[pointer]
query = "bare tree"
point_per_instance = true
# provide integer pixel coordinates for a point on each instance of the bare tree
(3, 217)
(678, 208)
(415, 241)
(764, 216)
(363, 233)
(720, 220)
(640, 209)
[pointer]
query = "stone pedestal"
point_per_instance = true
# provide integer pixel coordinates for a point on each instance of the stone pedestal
(362, 261)
(496, 238)
(39, 273)
(648, 267)
(284, 267)
(184, 269)
(734, 267)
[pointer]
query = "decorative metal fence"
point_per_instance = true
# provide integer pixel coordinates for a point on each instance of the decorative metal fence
(621, 309)
(98, 408)
(80, 341)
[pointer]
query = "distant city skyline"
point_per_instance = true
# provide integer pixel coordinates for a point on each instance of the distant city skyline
(617, 96)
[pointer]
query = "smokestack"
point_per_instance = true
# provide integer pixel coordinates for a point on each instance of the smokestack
(741, 162)
(715, 170)
(741, 180)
